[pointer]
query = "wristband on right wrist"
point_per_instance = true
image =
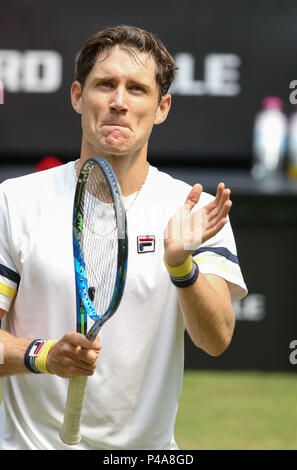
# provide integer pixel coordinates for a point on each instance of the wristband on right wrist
(36, 355)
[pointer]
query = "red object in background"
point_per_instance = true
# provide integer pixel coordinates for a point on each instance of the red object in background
(47, 162)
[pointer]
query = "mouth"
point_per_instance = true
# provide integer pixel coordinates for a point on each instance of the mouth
(116, 124)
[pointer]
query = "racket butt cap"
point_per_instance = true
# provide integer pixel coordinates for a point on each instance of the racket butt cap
(67, 440)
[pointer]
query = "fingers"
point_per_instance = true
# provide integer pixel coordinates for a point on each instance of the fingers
(77, 339)
(188, 228)
(222, 203)
(180, 221)
(216, 212)
(83, 357)
(223, 195)
(74, 355)
(193, 196)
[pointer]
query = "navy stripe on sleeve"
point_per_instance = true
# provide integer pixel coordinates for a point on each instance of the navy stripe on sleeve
(219, 251)
(9, 274)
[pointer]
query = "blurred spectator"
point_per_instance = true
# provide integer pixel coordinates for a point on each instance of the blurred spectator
(47, 162)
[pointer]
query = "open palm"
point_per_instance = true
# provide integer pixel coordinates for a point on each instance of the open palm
(188, 228)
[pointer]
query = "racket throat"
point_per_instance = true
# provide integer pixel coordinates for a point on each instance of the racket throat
(82, 324)
(91, 292)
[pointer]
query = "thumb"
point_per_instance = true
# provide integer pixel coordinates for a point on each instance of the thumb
(193, 196)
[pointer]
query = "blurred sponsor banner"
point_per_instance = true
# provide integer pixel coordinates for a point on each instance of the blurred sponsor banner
(265, 336)
(230, 55)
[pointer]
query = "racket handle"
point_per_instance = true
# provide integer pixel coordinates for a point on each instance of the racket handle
(70, 433)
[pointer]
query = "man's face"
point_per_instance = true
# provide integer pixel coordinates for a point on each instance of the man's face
(119, 103)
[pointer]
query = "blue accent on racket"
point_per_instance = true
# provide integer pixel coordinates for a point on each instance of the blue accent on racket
(100, 249)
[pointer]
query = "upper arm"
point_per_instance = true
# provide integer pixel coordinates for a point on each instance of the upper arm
(220, 285)
(9, 276)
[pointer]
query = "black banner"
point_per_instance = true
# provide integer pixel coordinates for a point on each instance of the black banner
(230, 55)
(265, 336)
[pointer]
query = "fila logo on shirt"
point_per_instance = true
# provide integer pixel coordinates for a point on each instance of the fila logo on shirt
(145, 243)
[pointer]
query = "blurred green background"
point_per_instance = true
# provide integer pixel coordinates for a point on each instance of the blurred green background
(237, 411)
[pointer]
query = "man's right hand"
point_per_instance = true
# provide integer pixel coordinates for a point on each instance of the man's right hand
(74, 355)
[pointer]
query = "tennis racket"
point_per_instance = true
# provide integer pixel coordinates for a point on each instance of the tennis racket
(100, 248)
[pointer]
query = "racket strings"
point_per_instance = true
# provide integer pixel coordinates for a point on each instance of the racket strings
(99, 212)
(99, 239)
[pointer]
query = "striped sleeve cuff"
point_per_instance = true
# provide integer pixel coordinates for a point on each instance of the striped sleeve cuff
(7, 290)
(223, 263)
(9, 282)
(5, 302)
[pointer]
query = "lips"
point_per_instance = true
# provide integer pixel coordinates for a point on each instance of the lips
(115, 124)
(116, 129)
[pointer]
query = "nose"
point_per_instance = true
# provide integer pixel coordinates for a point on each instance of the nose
(119, 100)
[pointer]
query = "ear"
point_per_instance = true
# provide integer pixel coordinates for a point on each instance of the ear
(163, 109)
(76, 96)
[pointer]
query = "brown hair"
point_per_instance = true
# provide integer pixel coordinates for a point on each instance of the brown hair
(130, 36)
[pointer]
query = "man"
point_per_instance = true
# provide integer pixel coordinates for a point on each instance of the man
(121, 91)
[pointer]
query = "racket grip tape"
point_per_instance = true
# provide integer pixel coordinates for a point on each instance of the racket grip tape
(70, 433)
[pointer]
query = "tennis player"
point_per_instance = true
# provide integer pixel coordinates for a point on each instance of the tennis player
(183, 270)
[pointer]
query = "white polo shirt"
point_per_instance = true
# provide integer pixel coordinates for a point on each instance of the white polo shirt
(132, 399)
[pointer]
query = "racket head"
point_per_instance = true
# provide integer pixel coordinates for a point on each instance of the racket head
(100, 244)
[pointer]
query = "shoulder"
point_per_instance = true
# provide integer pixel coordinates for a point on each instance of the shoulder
(39, 185)
(168, 188)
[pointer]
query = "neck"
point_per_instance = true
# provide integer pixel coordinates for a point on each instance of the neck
(131, 170)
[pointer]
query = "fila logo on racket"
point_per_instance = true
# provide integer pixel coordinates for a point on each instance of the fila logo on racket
(145, 243)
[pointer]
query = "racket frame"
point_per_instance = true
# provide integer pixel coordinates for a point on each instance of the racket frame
(70, 433)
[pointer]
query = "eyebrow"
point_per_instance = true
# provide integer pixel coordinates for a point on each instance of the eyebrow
(109, 78)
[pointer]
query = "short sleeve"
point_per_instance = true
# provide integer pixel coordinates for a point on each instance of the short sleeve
(218, 256)
(9, 277)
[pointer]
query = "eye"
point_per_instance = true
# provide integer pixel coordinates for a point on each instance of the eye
(105, 84)
(137, 88)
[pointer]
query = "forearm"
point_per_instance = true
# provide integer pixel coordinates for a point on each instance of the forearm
(208, 313)
(205, 301)
(13, 354)
(73, 355)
